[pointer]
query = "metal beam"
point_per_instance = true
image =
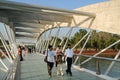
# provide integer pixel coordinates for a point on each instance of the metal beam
(29, 36)
(30, 8)
(13, 14)
(27, 30)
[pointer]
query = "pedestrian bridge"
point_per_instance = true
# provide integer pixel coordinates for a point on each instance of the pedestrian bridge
(34, 68)
(25, 24)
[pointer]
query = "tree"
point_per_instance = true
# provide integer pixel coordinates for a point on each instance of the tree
(77, 36)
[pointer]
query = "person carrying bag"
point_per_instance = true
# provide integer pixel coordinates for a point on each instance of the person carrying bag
(50, 59)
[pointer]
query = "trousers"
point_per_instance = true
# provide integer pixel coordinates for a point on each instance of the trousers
(49, 67)
(69, 64)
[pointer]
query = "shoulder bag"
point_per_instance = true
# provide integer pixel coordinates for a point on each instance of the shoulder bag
(45, 59)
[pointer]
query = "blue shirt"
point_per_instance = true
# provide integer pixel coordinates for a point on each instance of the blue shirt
(50, 56)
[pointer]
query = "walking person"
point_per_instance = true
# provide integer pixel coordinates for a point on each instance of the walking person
(59, 56)
(68, 56)
(50, 59)
(23, 52)
(20, 53)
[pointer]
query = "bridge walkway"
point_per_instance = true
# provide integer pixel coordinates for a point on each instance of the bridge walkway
(34, 68)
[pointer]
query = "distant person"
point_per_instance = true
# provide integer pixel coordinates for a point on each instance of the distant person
(23, 52)
(59, 56)
(20, 53)
(26, 50)
(1, 53)
(50, 59)
(68, 56)
(30, 50)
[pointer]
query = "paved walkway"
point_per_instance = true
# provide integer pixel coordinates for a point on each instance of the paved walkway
(34, 68)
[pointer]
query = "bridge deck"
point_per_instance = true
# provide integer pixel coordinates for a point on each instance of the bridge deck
(34, 68)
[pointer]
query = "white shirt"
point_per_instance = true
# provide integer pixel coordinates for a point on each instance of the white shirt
(69, 53)
(50, 56)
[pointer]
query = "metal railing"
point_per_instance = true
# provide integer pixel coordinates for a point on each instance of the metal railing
(13, 70)
(11, 58)
(97, 63)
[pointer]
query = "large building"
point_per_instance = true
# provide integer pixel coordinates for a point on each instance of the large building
(107, 16)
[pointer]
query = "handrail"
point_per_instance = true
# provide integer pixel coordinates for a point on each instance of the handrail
(17, 71)
(12, 70)
(104, 58)
(97, 58)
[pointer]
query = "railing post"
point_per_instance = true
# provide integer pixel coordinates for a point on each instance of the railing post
(97, 67)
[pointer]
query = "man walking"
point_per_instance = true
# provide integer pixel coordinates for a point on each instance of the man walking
(69, 55)
(50, 59)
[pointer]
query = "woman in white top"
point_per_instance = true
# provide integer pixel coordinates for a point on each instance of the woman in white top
(50, 59)
(59, 60)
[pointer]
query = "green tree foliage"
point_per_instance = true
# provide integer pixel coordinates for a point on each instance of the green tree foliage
(58, 40)
(97, 41)
(78, 35)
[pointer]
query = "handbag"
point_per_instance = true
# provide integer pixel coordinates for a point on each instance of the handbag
(45, 59)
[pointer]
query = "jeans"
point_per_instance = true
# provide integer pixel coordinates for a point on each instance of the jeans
(49, 67)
